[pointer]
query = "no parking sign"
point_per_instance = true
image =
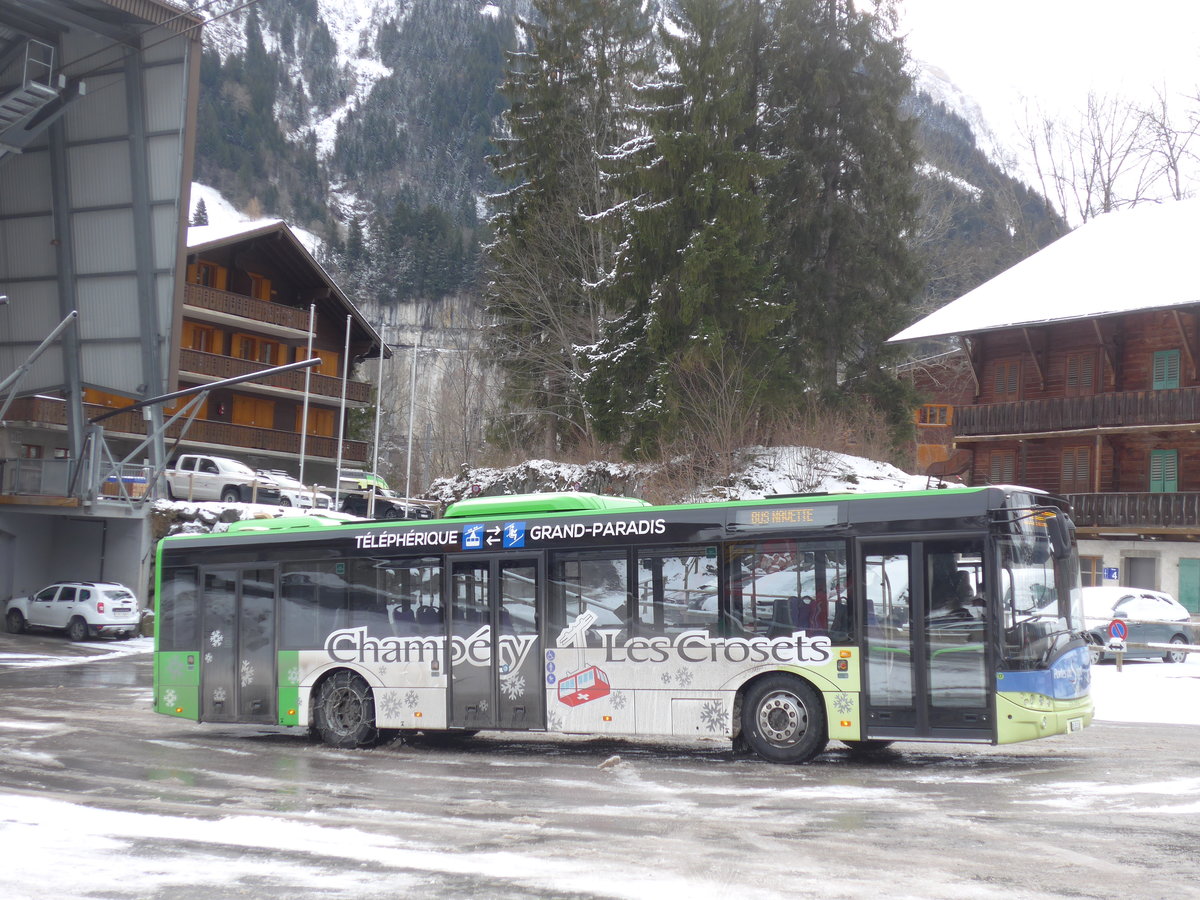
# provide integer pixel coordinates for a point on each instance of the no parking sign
(1117, 630)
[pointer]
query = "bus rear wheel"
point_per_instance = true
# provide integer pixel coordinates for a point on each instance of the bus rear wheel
(344, 712)
(783, 719)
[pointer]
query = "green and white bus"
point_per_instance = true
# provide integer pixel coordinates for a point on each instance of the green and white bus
(778, 624)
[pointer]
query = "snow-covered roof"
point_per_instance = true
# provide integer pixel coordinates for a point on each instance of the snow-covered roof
(1135, 259)
(227, 226)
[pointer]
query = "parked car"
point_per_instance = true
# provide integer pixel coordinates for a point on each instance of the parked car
(201, 477)
(356, 488)
(1154, 617)
(295, 493)
(81, 608)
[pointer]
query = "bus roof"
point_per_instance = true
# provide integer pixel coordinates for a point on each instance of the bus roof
(527, 504)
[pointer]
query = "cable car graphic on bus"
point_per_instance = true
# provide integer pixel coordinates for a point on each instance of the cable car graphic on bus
(584, 686)
(589, 683)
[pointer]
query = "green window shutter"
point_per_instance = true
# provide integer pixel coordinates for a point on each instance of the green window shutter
(1189, 584)
(1164, 471)
(1166, 370)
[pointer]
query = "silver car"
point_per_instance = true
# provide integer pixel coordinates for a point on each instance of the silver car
(1151, 617)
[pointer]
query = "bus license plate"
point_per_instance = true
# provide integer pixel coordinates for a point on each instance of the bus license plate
(1074, 725)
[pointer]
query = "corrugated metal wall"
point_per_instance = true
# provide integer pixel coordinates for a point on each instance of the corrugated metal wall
(103, 215)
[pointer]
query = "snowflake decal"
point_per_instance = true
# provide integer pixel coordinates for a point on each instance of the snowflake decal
(554, 721)
(389, 705)
(247, 674)
(617, 699)
(208, 658)
(513, 686)
(382, 670)
(175, 667)
(484, 706)
(684, 677)
(666, 677)
(219, 695)
(410, 699)
(713, 716)
(293, 675)
(169, 698)
(216, 639)
(843, 703)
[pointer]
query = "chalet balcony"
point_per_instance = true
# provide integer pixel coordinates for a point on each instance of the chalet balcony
(202, 297)
(1136, 512)
(49, 411)
(216, 366)
(1127, 410)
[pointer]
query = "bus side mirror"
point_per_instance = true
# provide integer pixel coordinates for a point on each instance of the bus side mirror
(1061, 530)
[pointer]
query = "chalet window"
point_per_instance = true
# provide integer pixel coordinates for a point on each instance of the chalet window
(1166, 370)
(253, 411)
(331, 362)
(1081, 374)
(1002, 467)
(32, 451)
(199, 337)
(934, 414)
(1164, 471)
(1076, 470)
(1007, 380)
(1091, 571)
(259, 350)
(320, 421)
(260, 287)
(208, 274)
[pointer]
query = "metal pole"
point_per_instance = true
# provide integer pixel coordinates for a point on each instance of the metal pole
(412, 402)
(375, 448)
(337, 491)
(312, 313)
(14, 379)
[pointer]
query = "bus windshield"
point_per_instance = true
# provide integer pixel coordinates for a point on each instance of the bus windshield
(1042, 599)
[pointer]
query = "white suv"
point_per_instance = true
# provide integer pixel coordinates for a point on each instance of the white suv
(295, 493)
(82, 608)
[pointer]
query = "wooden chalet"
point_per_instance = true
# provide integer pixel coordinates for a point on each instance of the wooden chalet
(1083, 365)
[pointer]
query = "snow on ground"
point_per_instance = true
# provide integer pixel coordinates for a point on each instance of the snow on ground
(1148, 691)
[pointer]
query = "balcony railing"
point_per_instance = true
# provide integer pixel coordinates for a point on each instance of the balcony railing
(1157, 511)
(1179, 406)
(247, 307)
(217, 366)
(48, 411)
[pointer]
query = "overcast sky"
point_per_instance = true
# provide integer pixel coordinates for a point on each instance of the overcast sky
(1053, 51)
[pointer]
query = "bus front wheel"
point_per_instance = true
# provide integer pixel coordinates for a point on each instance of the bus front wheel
(344, 712)
(783, 719)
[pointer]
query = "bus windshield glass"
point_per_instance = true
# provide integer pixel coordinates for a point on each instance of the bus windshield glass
(1041, 596)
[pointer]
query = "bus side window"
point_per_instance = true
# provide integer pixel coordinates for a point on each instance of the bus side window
(780, 587)
(677, 591)
(588, 581)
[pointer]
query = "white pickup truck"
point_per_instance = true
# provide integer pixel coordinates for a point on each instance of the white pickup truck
(200, 477)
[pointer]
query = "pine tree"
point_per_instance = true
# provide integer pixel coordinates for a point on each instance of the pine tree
(200, 216)
(689, 281)
(564, 93)
(843, 202)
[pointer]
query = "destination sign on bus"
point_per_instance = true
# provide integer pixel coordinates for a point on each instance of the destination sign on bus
(815, 516)
(508, 535)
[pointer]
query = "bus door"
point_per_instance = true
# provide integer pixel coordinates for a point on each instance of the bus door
(926, 649)
(495, 654)
(237, 673)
